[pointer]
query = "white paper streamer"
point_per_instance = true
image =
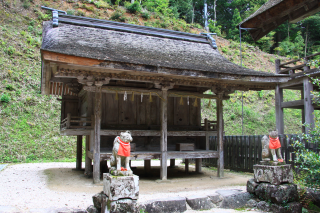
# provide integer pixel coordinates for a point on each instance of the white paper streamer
(188, 100)
(125, 96)
(141, 96)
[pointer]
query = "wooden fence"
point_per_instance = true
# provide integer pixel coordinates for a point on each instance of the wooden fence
(242, 152)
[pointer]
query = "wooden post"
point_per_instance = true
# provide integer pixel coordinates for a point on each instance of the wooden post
(198, 165)
(172, 163)
(308, 107)
(206, 126)
(277, 64)
(220, 166)
(68, 120)
(186, 165)
(147, 166)
(97, 127)
(163, 137)
(279, 110)
(88, 161)
(79, 152)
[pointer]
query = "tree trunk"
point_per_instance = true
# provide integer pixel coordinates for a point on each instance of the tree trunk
(215, 12)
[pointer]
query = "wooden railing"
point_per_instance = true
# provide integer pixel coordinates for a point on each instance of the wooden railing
(242, 152)
(76, 122)
(209, 125)
(290, 67)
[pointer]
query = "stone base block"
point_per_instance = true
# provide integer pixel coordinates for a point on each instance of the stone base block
(273, 174)
(118, 187)
(115, 172)
(167, 205)
(277, 194)
(119, 206)
(236, 200)
(197, 202)
(293, 207)
(251, 185)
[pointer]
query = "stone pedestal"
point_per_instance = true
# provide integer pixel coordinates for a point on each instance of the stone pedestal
(117, 187)
(275, 184)
(275, 175)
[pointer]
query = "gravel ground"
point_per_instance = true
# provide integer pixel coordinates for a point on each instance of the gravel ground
(28, 187)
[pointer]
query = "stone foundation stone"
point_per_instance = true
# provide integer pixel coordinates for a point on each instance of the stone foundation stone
(197, 202)
(120, 206)
(119, 187)
(166, 205)
(273, 174)
(251, 185)
(293, 207)
(264, 206)
(278, 194)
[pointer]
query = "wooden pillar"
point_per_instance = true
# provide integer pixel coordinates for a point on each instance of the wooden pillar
(163, 137)
(97, 127)
(308, 107)
(186, 165)
(79, 152)
(206, 126)
(279, 110)
(220, 166)
(88, 161)
(198, 165)
(303, 118)
(172, 163)
(147, 166)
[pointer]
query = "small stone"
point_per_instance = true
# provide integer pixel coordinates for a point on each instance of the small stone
(173, 204)
(293, 207)
(121, 206)
(97, 200)
(236, 200)
(92, 209)
(251, 203)
(197, 202)
(264, 206)
(251, 185)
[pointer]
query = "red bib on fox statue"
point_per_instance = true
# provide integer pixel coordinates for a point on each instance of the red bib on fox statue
(124, 148)
(274, 143)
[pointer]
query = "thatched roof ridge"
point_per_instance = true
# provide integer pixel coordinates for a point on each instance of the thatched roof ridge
(133, 48)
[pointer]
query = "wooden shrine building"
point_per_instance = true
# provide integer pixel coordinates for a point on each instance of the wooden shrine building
(113, 77)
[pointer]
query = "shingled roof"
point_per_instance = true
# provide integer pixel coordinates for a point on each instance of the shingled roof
(131, 44)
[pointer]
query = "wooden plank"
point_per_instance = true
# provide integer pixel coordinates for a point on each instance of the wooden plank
(291, 83)
(157, 133)
(192, 154)
(308, 106)
(109, 104)
(298, 104)
(184, 146)
(251, 152)
(198, 165)
(97, 127)
(279, 110)
(79, 152)
(171, 111)
(163, 137)
(291, 68)
(220, 166)
(127, 111)
(75, 132)
(181, 112)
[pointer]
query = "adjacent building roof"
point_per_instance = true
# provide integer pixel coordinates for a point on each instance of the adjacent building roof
(275, 12)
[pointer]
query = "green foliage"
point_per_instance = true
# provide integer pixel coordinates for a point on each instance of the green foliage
(159, 6)
(134, 7)
(213, 28)
(118, 16)
(145, 15)
(234, 31)
(5, 98)
(101, 4)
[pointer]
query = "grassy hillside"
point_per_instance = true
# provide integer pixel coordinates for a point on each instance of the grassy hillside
(29, 122)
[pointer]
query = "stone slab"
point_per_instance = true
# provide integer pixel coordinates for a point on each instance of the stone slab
(251, 185)
(200, 202)
(228, 192)
(273, 174)
(216, 198)
(294, 207)
(277, 194)
(166, 205)
(120, 187)
(264, 206)
(98, 199)
(236, 200)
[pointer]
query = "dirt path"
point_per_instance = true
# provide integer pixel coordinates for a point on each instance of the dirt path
(39, 185)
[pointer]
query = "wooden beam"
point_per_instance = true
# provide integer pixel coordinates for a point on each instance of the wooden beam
(193, 154)
(97, 127)
(291, 83)
(220, 166)
(298, 104)
(308, 107)
(79, 152)
(279, 109)
(163, 137)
